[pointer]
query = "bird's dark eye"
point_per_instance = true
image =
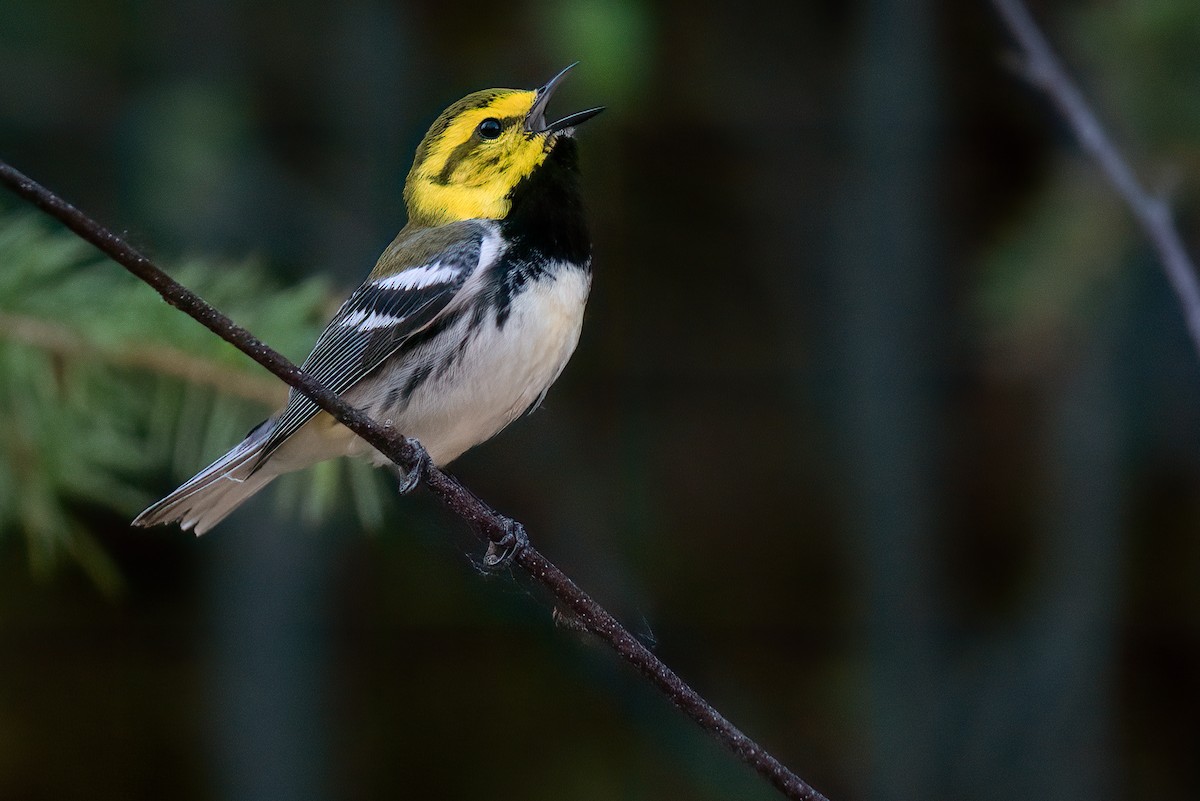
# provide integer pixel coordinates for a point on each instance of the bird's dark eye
(490, 128)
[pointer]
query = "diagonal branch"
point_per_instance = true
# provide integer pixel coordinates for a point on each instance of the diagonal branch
(1045, 71)
(488, 523)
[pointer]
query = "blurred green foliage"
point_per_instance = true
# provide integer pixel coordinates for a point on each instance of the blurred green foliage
(1049, 273)
(614, 38)
(106, 385)
(1140, 59)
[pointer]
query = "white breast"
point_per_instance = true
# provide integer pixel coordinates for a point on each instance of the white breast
(500, 374)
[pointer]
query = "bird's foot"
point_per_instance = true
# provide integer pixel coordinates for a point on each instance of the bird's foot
(411, 479)
(500, 553)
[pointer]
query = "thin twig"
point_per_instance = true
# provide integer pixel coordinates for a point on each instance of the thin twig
(61, 340)
(454, 496)
(1044, 70)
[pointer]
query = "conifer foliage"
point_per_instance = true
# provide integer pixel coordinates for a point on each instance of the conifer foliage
(109, 396)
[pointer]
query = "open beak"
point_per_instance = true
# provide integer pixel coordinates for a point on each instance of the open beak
(535, 121)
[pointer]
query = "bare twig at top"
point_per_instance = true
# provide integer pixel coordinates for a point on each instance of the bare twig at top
(485, 521)
(1044, 70)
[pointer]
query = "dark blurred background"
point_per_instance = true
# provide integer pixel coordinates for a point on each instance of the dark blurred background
(883, 425)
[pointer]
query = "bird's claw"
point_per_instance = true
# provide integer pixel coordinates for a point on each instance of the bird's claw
(412, 479)
(500, 553)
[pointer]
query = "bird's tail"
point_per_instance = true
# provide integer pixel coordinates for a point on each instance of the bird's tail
(216, 490)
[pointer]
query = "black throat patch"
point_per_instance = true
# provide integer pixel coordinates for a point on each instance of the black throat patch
(546, 219)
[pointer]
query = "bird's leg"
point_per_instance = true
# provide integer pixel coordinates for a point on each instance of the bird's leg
(410, 480)
(501, 552)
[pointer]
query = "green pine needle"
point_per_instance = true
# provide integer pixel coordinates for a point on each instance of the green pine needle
(107, 391)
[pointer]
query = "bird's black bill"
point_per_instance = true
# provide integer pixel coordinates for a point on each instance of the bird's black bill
(571, 120)
(535, 122)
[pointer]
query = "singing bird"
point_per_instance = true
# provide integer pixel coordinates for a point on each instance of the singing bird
(469, 316)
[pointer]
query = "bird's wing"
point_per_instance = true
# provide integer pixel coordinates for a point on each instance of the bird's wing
(417, 278)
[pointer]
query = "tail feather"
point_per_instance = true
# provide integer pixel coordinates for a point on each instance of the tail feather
(206, 498)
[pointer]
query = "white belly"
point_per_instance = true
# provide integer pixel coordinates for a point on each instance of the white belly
(499, 375)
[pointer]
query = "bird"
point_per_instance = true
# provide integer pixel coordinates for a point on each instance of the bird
(468, 317)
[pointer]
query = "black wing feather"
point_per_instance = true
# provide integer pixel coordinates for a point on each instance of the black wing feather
(349, 349)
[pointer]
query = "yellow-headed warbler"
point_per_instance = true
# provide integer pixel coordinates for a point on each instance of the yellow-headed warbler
(467, 319)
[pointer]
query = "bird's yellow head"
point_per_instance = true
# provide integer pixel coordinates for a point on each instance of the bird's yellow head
(480, 149)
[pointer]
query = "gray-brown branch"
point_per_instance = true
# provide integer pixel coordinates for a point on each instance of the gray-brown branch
(1045, 71)
(484, 520)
